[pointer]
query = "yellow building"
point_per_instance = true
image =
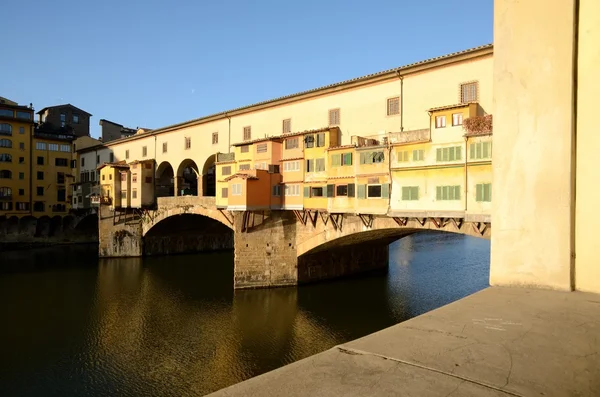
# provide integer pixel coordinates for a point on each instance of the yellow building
(52, 171)
(316, 165)
(16, 129)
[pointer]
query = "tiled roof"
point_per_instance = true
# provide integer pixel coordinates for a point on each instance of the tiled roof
(290, 159)
(314, 131)
(265, 139)
(242, 176)
(448, 107)
(314, 90)
(341, 147)
(114, 165)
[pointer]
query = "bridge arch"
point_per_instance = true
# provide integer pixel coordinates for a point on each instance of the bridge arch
(187, 232)
(165, 180)
(356, 230)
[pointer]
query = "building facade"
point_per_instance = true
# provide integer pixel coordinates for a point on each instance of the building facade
(16, 131)
(74, 120)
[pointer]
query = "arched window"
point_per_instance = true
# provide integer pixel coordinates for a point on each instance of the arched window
(5, 174)
(5, 129)
(5, 143)
(5, 158)
(5, 192)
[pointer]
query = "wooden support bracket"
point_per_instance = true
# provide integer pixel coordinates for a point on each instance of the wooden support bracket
(422, 221)
(301, 216)
(458, 222)
(367, 220)
(313, 219)
(480, 227)
(337, 220)
(324, 217)
(401, 221)
(230, 221)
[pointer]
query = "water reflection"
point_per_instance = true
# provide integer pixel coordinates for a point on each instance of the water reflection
(174, 325)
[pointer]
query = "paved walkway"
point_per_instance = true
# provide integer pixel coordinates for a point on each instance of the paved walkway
(497, 342)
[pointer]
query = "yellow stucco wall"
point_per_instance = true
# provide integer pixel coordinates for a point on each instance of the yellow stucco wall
(587, 264)
(532, 168)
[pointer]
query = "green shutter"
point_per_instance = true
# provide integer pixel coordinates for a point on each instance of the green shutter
(347, 159)
(479, 192)
(405, 193)
(451, 154)
(487, 195)
(306, 191)
(458, 153)
(362, 191)
(438, 192)
(330, 190)
(438, 155)
(479, 146)
(486, 150)
(456, 192)
(351, 192)
(472, 151)
(362, 157)
(385, 191)
(414, 193)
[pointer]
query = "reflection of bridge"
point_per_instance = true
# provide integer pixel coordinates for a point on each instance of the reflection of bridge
(272, 248)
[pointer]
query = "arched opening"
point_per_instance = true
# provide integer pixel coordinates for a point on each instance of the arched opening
(12, 226)
(55, 226)
(28, 225)
(187, 176)
(43, 227)
(165, 180)
(209, 177)
(88, 226)
(187, 233)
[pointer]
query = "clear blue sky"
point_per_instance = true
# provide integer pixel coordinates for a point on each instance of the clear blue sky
(155, 63)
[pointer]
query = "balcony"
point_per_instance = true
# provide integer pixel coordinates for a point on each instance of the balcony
(478, 125)
(222, 157)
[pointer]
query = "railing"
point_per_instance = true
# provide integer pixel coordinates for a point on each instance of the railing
(225, 157)
(421, 135)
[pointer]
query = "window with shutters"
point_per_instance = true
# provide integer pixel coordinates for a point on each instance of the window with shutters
(469, 92)
(341, 190)
(164, 145)
(260, 166)
(361, 192)
(227, 170)
(188, 143)
(320, 165)
(286, 126)
(247, 133)
(245, 149)
(402, 156)
(292, 190)
(309, 141)
(134, 193)
(291, 143)
(393, 106)
(351, 190)
(291, 166)
(236, 189)
(277, 190)
(447, 193)
(123, 177)
(244, 167)
(372, 157)
(261, 148)
(418, 155)
(330, 191)
(144, 151)
(347, 159)
(321, 139)
(457, 119)
(126, 154)
(480, 150)
(336, 160)
(215, 138)
(449, 153)
(483, 192)
(334, 117)
(133, 178)
(410, 193)
(440, 121)
(316, 192)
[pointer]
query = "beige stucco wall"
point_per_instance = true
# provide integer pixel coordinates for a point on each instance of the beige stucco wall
(532, 196)
(587, 270)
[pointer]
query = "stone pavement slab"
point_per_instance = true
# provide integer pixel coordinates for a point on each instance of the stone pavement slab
(497, 342)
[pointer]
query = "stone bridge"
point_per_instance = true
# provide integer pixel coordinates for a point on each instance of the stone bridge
(272, 248)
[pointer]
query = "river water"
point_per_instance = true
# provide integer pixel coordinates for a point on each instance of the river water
(74, 325)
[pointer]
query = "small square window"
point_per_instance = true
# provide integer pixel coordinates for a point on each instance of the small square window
(215, 138)
(334, 117)
(188, 143)
(287, 126)
(247, 133)
(393, 106)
